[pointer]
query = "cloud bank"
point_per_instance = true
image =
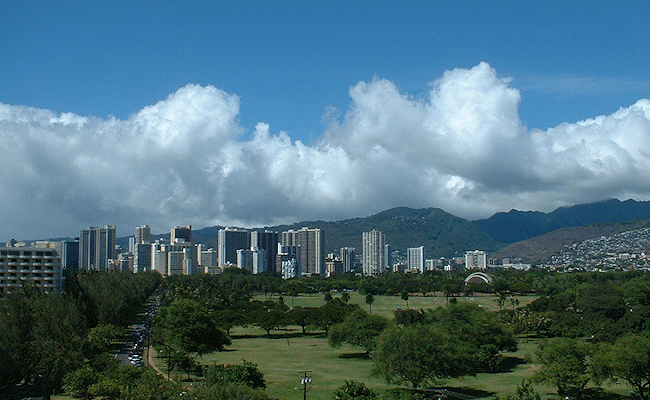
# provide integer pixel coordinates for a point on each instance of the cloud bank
(185, 160)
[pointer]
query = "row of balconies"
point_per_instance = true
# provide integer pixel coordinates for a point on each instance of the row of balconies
(27, 271)
(27, 264)
(37, 283)
(39, 255)
(15, 279)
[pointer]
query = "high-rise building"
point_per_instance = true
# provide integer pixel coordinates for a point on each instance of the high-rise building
(267, 240)
(312, 249)
(388, 256)
(253, 260)
(181, 232)
(159, 256)
(142, 249)
(347, 258)
(375, 257)
(415, 259)
(476, 259)
(96, 247)
(209, 261)
(142, 234)
(40, 264)
(333, 265)
(142, 257)
(229, 240)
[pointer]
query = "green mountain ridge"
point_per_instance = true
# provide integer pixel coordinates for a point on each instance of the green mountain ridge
(445, 235)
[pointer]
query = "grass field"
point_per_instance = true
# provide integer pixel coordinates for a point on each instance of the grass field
(282, 356)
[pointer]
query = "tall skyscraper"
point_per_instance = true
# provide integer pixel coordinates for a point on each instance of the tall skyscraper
(181, 232)
(267, 240)
(375, 259)
(311, 242)
(229, 240)
(142, 234)
(347, 257)
(142, 249)
(96, 247)
(415, 259)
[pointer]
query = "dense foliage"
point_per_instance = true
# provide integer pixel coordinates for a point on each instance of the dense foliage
(444, 343)
(45, 336)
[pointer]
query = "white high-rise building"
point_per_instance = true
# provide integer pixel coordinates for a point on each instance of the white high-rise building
(39, 264)
(415, 259)
(476, 259)
(375, 259)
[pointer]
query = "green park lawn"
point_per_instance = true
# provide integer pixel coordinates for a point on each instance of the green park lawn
(283, 355)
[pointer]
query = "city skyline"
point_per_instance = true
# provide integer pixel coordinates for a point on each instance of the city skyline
(214, 114)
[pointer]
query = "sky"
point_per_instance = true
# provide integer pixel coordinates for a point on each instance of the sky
(256, 113)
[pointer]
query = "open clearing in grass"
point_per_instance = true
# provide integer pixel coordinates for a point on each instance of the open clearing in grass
(282, 357)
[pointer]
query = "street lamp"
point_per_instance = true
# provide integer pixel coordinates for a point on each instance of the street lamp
(304, 381)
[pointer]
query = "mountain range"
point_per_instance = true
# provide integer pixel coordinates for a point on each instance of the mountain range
(445, 235)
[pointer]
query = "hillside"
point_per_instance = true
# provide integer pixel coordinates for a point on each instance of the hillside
(515, 226)
(441, 233)
(542, 247)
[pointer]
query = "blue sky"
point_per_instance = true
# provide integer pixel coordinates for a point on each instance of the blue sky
(295, 67)
(289, 61)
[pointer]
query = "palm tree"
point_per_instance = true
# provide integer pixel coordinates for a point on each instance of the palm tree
(369, 300)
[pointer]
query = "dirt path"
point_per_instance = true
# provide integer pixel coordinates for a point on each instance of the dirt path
(154, 366)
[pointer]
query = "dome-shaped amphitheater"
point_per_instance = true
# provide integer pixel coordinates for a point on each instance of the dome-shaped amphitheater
(478, 278)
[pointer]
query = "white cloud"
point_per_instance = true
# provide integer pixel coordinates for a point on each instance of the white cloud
(461, 147)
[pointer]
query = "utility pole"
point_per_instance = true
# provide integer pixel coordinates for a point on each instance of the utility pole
(306, 379)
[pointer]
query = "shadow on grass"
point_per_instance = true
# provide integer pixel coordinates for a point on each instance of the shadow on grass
(361, 356)
(443, 392)
(280, 335)
(509, 364)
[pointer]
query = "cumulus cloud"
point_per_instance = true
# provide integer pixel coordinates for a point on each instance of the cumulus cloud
(461, 147)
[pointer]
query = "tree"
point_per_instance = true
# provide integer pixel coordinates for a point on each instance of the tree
(228, 318)
(269, 315)
(302, 316)
(419, 354)
(405, 296)
(408, 317)
(359, 329)
(565, 364)
(78, 382)
(245, 374)
(353, 390)
(629, 359)
(332, 313)
(345, 297)
(188, 326)
(369, 300)
(524, 391)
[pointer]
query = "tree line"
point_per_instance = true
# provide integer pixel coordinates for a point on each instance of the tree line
(44, 336)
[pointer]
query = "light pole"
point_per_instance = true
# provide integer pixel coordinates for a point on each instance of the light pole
(306, 379)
